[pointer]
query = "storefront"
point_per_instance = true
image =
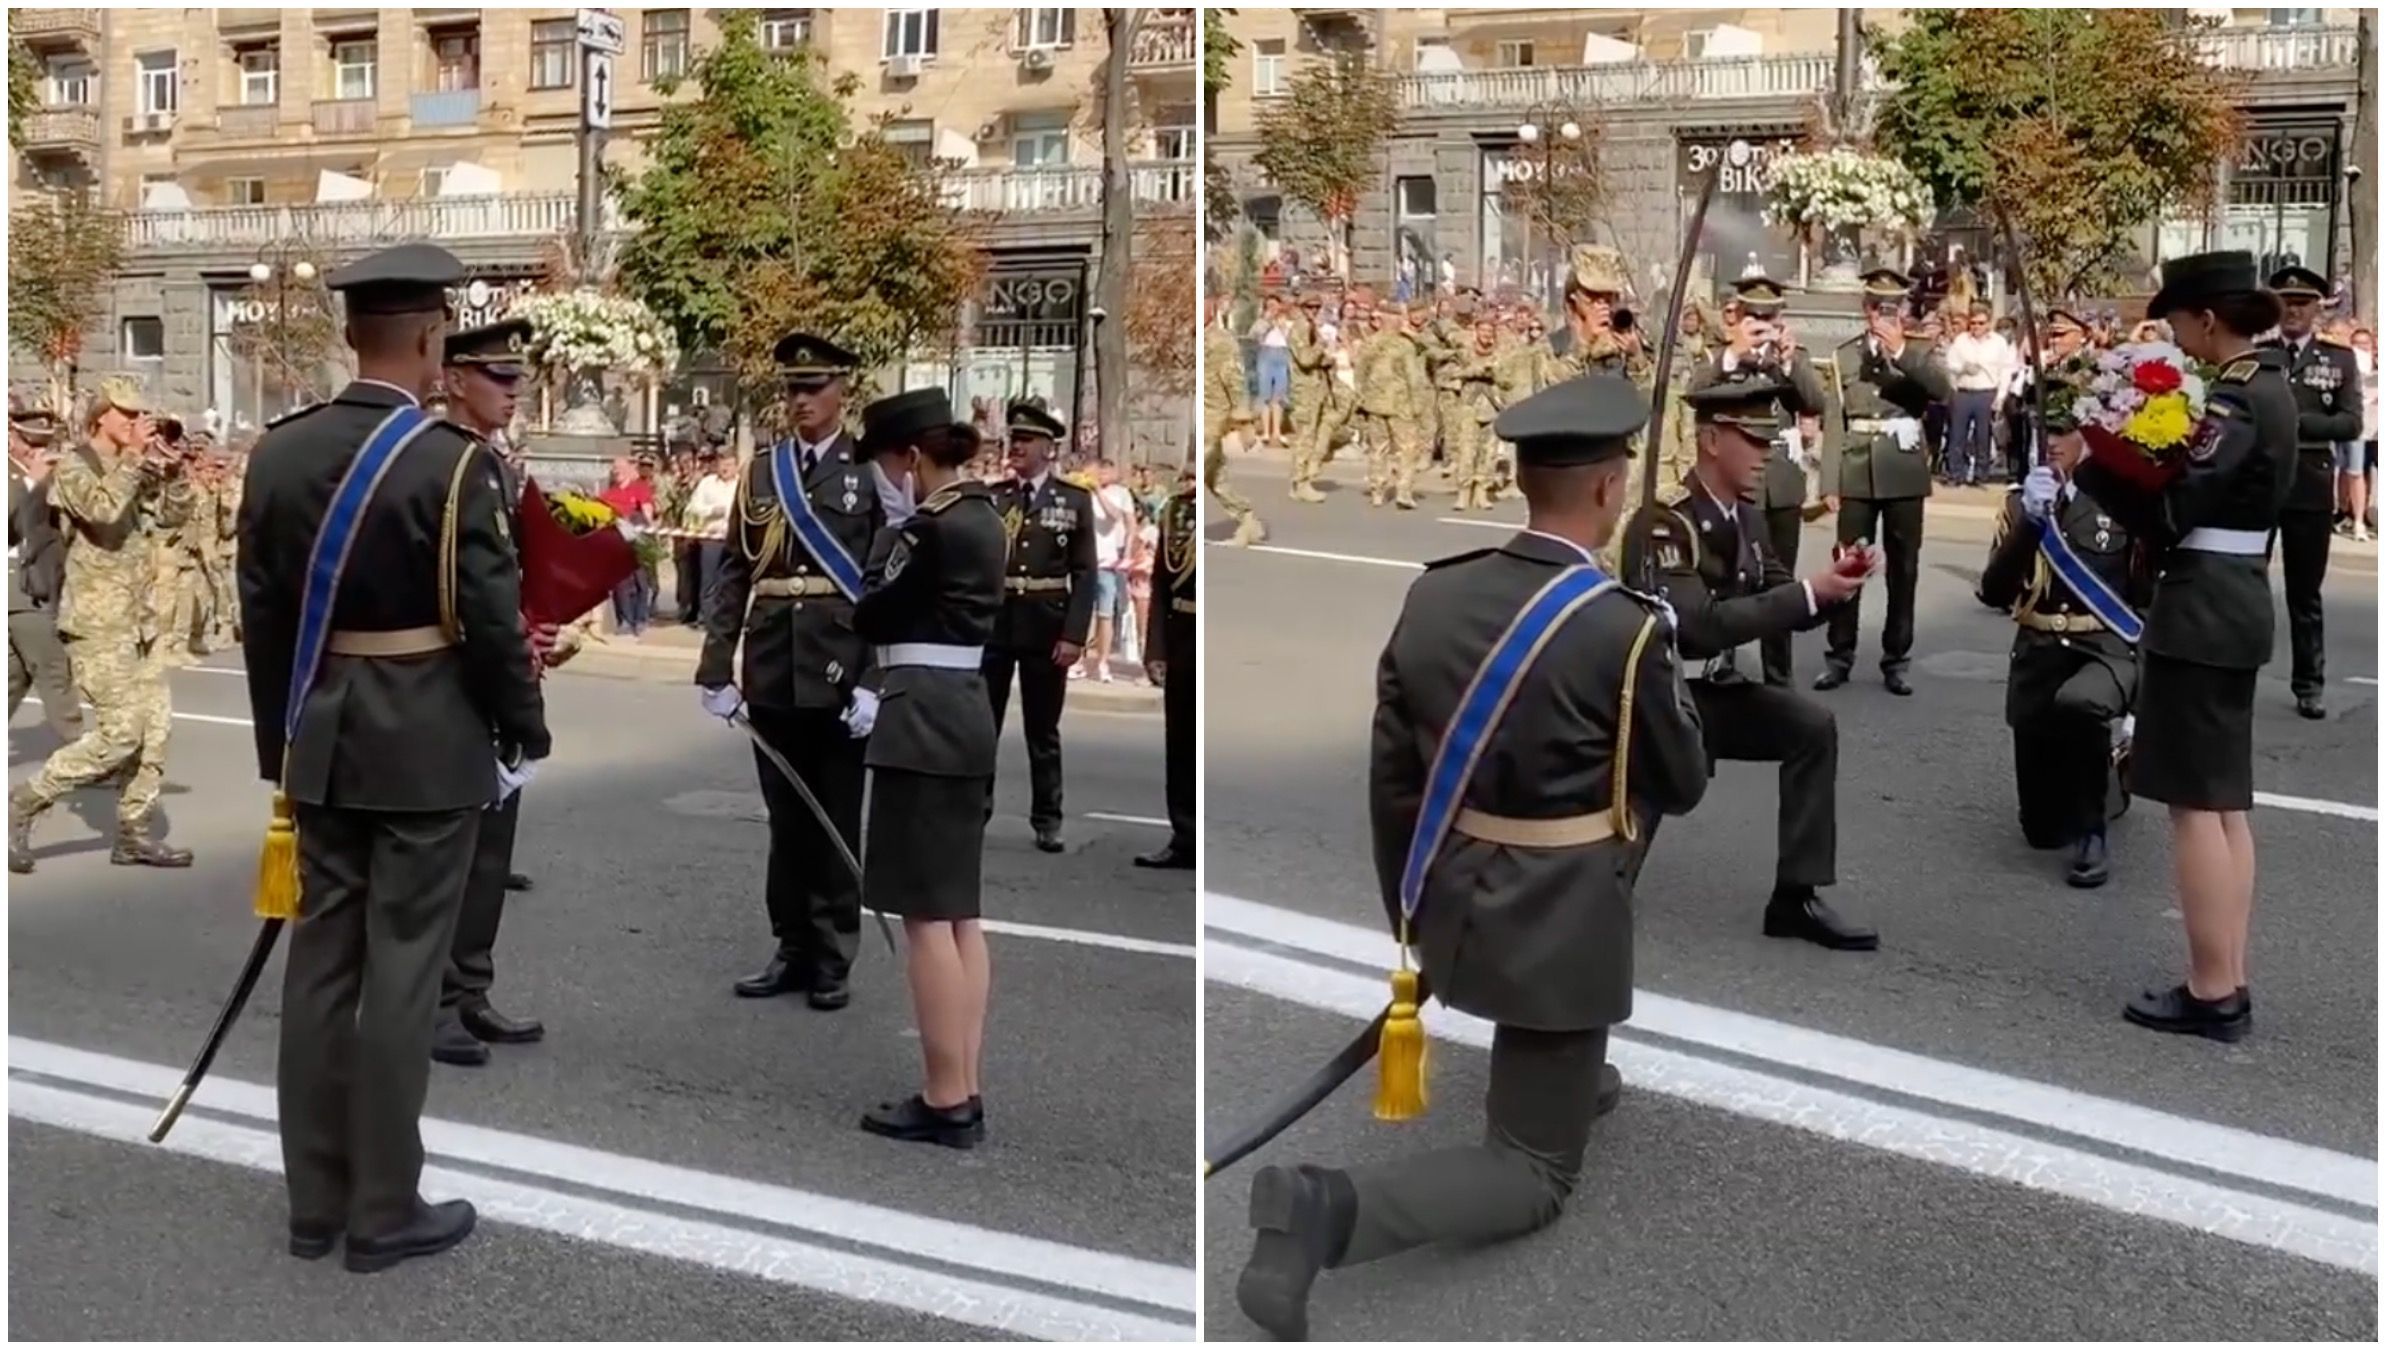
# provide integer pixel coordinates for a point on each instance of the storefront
(2280, 197)
(1026, 335)
(1737, 240)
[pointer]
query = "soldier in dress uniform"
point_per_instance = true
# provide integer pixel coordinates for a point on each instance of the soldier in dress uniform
(1052, 559)
(1760, 341)
(2071, 677)
(1883, 383)
(426, 678)
(1538, 869)
(36, 557)
(1730, 588)
(785, 584)
(482, 368)
(2324, 378)
(2211, 626)
(1171, 650)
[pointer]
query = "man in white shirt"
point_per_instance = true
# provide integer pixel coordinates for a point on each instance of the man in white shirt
(706, 512)
(1113, 527)
(1981, 363)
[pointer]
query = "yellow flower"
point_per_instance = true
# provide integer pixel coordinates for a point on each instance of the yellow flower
(580, 514)
(2160, 423)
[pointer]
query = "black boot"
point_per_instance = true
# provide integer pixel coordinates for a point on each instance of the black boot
(314, 1239)
(1612, 1090)
(2312, 705)
(1800, 913)
(138, 850)
(488, 1024)
(454, 1044)
(1897, 683)
(2090, 867)
(517, 881)
(1303, 1216)
(436, 1228)
(1833, 678)
(1174, 856)
(1045, 838)
(20, 835)
(2177, 1012)
(780, 977)
(912, 1121)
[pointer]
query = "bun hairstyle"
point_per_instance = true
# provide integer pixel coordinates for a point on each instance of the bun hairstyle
(2244, 311)
(951, 446)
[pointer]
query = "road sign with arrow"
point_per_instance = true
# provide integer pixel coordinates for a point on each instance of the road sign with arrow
(599, 89)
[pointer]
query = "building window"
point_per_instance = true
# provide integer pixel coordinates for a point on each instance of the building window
(262, 72)
(1266, 216)
(553, 53)
(912, 32)
(1513, 53)
(70, 83)
(1172, 133)
(245, 192)
(1430, 50)
(143, 337)
(913, 139)
(429, 182)
(1413, 201)
(1045, 28)
(1266, 68)
(156, 85)
(2295, 18)
(152, 183)
(1040, 140)
(354, 69)
(666, 44)
(784, 30)
(457, 60)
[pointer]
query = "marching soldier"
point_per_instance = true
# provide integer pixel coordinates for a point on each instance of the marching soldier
(1730, 588)
(2071, 578)
(109, 494)
(933, 599)
(382, 692)
(2324, 379)
(1224, 405)
(1599, 333)
(1387, 408)
(1762, 342)
(1048, 615)
(1171, 649)
(1423, 401)
(36, 659)
(1312, 397)
(1550, 957)
(1883, 382)
(804, 515)
(1478, 407)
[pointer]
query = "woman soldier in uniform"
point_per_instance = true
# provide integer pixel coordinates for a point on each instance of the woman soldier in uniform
(933, 592)
(2211, 625)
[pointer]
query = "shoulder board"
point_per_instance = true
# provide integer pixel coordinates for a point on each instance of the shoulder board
(1455, 558)
(2338, 344)
(293, 415)
(1673, 494)
(2240, 372)
(2218, 407)
(1851, 341)
(941, 501)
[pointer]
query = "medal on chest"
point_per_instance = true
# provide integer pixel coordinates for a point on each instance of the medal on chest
(849, 492)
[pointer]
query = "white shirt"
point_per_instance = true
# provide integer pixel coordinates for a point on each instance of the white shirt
(2366, 395)
(1271, 333)
(1109, 534)
(710, 504)
(813, 455)
(387, 384)
(1981, 362)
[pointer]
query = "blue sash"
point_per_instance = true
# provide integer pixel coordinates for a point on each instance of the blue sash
(331, 552)
(1488, 696)
(832, 559)
(2105, 604)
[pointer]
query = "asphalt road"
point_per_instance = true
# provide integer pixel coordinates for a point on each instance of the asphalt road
(1954, 1137)
(671, 1162)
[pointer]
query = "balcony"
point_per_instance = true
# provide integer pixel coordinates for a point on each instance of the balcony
(2314, 47)
(66, 129)
(1165, 47)
(61, 27)
(345, 225)
(1779, 77)
(455, 108)
(1062, 188)
(344, 116)
(248, 121)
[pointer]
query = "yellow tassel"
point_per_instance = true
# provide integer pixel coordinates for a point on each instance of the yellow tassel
(1400, 1060)
(279, 866)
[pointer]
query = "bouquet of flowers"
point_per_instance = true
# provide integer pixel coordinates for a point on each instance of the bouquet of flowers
(574, 551)
(1842, 189)
(586, 330)
(2140, 409)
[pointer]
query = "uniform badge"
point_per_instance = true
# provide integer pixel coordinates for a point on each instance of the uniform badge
(1665, 548)
(897, 563)
(833, 672)
(2204, 444)
(849, 492)
(2100, 532)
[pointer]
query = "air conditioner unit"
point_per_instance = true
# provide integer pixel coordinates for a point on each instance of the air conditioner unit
(904, 67)
(1038, 59)
(988, 132)
(158, 121)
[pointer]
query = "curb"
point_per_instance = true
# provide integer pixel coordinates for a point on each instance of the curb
(662, 663)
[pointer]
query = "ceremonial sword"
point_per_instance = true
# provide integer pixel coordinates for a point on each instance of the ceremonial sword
(791, 775)
(268, 931)
(1361, 1049)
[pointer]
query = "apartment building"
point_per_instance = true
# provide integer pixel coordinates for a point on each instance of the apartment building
(236, 136)
(1667, 92)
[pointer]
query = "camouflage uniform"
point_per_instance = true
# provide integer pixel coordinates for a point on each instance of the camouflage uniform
(1448, 348)
(1520, 369)
(227, 600)
(1388, 415)
(1312, 403)
(1222, 408)
(1478, 403)
(1421, 400)
(111, 629)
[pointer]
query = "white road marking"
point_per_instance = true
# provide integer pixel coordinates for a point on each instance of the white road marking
(1151, 821)
(1327, 557)
(2138, 1161)
(1006, 1282)
(36, 699)
(1485, 524)
(2345, 810)
(2367, 680)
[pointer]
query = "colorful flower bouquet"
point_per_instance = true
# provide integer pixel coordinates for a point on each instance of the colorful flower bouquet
(2140, 409)
(574, 550)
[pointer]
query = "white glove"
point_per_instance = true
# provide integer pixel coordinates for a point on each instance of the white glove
(2041, 490)
(511, 780)
(721, 701)
(1659, 604)
(860, 715)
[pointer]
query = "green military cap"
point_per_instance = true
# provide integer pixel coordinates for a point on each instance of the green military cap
(1885, 284)
(901, 419)
(2300, 284)
(1749, 405)
(1590, 419)
(1027, 418)
(1759, 292)
(123, 393)
(497, 349)
(410, 279)
(808, 362)
(2066, 320)
(1599, 270)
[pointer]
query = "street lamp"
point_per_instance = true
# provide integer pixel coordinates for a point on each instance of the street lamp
(276, 265)
(1549, 126)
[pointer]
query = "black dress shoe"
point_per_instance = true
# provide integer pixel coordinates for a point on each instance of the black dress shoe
(2090, 867)
(2176, 1011)
(1303, 1216)
(1612, 1090)
(1897, 683)
(1831, 679)
(454, 1044)
(912, 1121)
(436, 1228)
(780, 977)
(136, 851)
(486, 1023)
(830, 996)
(1172, 856)
(2312, 707)
(1046, 839)
(517, 881)
(311, 1241)
(1809, 918)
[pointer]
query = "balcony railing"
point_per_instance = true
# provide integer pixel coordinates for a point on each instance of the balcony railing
(2315, 47)
(80, 25)
(335, 225)
(456, 108)
(1165, 45)
(247, 121)
(66, 127)
(345, 116)
(1062, 188)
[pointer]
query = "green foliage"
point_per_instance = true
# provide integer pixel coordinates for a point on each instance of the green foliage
(2080, 127)
(1562, 191)
(24, 86)
(761, 212)
(1319, 143)
(1220, 207)
(63, 248)
(1216, 52)
(295, 334)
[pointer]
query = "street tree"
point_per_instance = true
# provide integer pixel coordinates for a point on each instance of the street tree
(1219, 205)
(24, 85)
(1320, 143)
(2363, 215)
(761, 211)
(63, 251)
(1123, 28)
(1559, 185)
(289, 331)
(2081, 128)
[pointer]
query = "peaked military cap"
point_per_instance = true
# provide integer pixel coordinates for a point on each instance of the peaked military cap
(900, 419)
(805, 358)
(1590, 419)
(1885, 284)
(1027, 418)
(1759, 292)
(410, 279)
(36, 425)
(2186, 281)
(2062, 319)
(1748, 405)
(498, 349)
(2300, 283)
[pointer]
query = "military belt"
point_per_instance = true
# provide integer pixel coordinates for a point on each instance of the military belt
(2239, 543)
(1592, 827)
(1037, 585)
(1183, 606)
(937, 655)
(388, 644)
(2059, 623)
(793, 588)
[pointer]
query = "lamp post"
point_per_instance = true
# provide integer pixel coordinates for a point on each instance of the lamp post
(276, 266)
(1548, 127)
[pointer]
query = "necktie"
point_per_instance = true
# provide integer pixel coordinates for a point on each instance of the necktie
(808, 459)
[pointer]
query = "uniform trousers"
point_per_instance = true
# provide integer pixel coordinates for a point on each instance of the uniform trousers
(1183, 728)
(2306, 538)
(38, 660)
(1393, 456)
(379, 898)
(1537, 1115)
(1783, 539)
(812, 896)
(1901, 523)
(467, 980)
(2063, 758)
(127, 688)
(1045, 698)
(1756, 724)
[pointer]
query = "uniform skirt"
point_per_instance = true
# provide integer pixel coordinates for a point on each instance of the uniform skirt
(925, 845)
(2191, 734)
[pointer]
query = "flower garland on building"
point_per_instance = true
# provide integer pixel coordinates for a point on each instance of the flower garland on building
(1841, 189)
(587, 330)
